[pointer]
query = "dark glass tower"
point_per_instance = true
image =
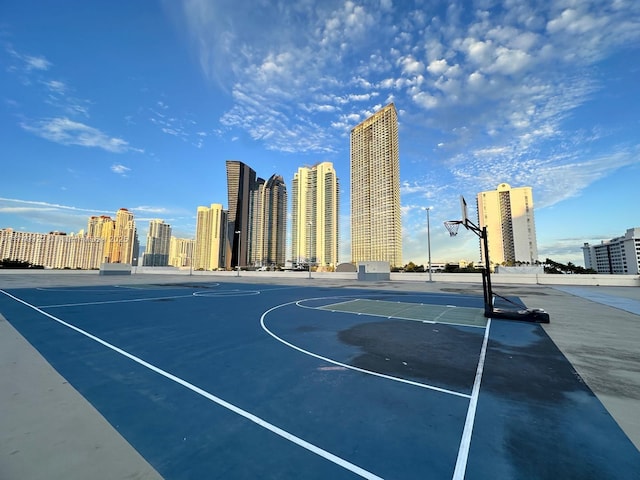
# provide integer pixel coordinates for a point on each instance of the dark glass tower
(241, 181)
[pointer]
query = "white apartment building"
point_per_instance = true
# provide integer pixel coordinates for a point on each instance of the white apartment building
(511, 231)
(620, 255)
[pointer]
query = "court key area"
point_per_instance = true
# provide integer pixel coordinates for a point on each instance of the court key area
(214, 380)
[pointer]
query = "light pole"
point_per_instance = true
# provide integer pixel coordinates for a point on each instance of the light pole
(309, 258)
(238, 233)
(429, 241)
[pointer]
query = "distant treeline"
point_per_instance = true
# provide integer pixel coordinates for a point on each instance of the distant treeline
(559, 268)
(18, 264)
(549, 265)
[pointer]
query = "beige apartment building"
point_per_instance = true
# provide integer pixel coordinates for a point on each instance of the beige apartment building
(181, 251)
(376, 229)
(511, 231)
(211, 226)
(156, 253)
(119, 236)
(315, 206)
(52, 250)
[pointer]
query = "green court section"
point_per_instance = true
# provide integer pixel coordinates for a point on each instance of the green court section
(412, 311)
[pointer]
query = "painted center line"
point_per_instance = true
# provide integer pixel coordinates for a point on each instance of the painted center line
(243, 413)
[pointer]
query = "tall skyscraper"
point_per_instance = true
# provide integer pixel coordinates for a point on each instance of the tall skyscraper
(255, 238)
(274, 222)
(257, 217)
(211, 225)
(158, 242)
(376, 228)
(511, 231)
(315, 206)
(241, 181)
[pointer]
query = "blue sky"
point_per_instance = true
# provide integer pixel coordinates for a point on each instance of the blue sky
(138, 105)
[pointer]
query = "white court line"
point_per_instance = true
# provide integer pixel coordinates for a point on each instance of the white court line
(243, 413)
(114, 301)
(345, 365)
(165, 286)
(227, 293)
(329, 307)
(434, 322)
(465, 443)
(77, 289)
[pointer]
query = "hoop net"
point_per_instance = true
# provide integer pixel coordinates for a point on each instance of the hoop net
(452, 227)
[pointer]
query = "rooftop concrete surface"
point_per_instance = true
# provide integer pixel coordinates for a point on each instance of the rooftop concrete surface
(48, 430)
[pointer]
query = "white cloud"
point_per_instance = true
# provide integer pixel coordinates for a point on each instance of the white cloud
(488, 87)
(438, 67)
(411, 66)
(56, 86)
(68, 132)
(150, 209)
(120, 169)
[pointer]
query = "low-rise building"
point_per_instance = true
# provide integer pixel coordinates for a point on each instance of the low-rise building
(620, 255)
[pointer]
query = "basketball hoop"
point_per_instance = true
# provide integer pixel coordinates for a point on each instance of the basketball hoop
(452, 227)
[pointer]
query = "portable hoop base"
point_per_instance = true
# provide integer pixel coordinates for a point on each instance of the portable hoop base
(536, 315)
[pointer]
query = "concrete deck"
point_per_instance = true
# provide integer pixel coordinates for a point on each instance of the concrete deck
(48, 430)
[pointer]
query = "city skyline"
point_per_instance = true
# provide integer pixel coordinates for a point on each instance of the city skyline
(140, 105)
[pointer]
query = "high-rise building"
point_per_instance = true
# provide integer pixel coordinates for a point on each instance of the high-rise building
(158, 242)
(257, 217)
(181, 252)
(211, 225)
(120, 236)
(255, 238)
(241, 181)
(273, 237)
(507, 213)
(620, 255)
(124, 237)
(376, 229)
(315, 206)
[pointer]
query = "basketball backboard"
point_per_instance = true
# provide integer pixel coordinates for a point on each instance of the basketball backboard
(464, 212)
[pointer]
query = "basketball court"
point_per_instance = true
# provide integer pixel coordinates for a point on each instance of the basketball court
(241, 380)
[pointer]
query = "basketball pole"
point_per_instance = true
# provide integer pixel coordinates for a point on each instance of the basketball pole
(487, 289)
(527, 314)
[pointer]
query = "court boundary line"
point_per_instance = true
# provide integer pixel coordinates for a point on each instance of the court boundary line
(219, 401)
(465, 442)
(347, 366)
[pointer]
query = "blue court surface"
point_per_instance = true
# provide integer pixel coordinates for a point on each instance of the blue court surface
(214, 380)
